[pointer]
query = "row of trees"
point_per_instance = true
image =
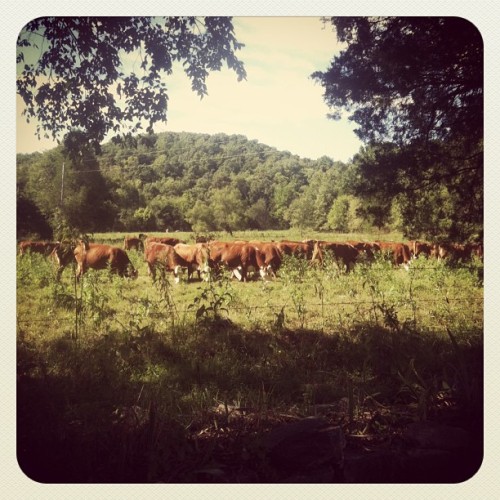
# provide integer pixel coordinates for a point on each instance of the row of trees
(204, 182)
(414, 87)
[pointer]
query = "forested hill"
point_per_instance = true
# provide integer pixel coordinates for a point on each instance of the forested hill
(181, 181)
(204, 182)
(201, 182)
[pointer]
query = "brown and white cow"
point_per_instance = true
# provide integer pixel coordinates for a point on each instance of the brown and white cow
(159, 254)
(343, 253)
(97, 256)
(239, 257)
(271, 254)
(41, 247)
(457, 252)
(196, 257)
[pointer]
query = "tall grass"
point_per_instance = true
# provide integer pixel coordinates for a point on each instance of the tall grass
(178, 383)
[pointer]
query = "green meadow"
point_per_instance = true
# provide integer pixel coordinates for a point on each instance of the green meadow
(139, 381)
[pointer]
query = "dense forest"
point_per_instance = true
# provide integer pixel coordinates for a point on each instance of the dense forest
(200, 182)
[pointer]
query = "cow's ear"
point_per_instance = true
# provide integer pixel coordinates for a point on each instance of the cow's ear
(84, 244)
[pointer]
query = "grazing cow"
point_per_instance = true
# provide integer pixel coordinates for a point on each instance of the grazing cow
(400, 251)
(302, 249)
(271, 255)
(422, 248)
(343, 253)
(41, 247)
(238, 257)
(132, 243)
(159, 254)
(196, 257)
(98, 256)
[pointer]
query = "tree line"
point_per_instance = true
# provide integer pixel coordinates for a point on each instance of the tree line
(200, 182)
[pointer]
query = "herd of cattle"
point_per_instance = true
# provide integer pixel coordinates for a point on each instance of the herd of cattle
(240, 257)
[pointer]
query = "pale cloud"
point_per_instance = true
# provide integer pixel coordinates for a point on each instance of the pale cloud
(278, 105)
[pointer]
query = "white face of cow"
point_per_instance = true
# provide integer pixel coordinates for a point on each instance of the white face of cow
(131, 273)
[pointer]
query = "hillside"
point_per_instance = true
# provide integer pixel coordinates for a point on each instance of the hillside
(179, 181)
(202, 183)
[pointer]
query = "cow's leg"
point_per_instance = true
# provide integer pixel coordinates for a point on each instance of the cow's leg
(79, 270)
(151, 270)
(191, 269)
(267, 272)
(60, 270)
(244, 273)
(237, 271)
(206, 271)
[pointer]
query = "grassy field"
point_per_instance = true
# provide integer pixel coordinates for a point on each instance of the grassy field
(135, 381)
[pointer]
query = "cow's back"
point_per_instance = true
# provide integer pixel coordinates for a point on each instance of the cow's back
(41, 247)
(95, 256)
(296, 248)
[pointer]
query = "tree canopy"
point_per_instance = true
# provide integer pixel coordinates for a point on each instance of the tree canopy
(408, 79)
(72, 73)
(414, 86)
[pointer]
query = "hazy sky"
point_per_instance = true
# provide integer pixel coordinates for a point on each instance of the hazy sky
(278, 105)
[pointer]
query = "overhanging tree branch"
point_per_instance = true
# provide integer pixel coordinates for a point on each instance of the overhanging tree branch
(82, 56)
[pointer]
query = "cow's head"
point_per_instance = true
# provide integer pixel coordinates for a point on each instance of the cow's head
(131, 272)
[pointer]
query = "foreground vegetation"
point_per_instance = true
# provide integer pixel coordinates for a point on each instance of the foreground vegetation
(130, 381)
